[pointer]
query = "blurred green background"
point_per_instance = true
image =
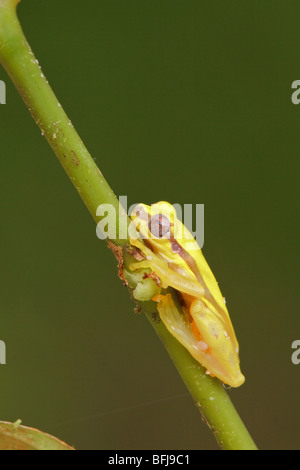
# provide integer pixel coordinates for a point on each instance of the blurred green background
(188, 102)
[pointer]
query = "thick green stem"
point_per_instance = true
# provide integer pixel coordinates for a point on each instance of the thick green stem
(209, 395)
(17, 58)
(24, 70)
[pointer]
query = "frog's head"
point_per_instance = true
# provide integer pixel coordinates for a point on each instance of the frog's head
(161, 229)
(157, 224)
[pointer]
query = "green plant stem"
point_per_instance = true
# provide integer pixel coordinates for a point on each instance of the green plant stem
(209, 396)
(24, 70)
(18, 59)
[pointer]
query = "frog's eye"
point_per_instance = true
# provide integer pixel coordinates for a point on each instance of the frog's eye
(159, 225)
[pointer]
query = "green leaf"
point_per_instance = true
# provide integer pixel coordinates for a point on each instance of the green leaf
(13, 436)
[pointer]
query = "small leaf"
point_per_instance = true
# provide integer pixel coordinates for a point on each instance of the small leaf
(13, 436)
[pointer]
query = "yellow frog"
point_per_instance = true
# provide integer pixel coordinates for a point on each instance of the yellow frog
(203, 327)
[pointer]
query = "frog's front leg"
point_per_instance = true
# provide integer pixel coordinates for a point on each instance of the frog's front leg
(167, 276)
